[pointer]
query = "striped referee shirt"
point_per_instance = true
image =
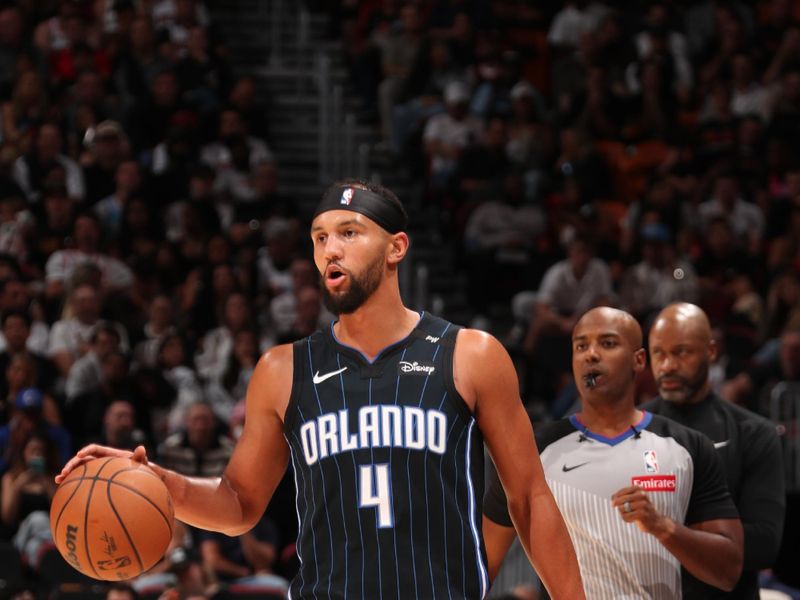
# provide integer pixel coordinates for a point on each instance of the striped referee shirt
(677, 466)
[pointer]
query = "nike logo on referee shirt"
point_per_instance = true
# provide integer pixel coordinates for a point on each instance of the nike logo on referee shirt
(721, 444)
(567, 469)
(320, 378)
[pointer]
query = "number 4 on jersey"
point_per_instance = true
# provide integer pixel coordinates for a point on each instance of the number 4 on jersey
(374, 490)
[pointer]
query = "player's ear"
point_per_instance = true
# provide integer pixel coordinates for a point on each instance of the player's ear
(398, 247)
(639, 360)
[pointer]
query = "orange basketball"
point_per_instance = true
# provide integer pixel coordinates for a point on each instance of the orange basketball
(111, 518)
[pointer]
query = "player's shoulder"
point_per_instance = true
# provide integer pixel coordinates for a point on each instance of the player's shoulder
(272, 377)
(277, 357)
(479, 343)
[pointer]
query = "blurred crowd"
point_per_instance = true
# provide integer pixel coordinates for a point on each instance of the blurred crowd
(574, 153)
(146, 262)
(580, 153)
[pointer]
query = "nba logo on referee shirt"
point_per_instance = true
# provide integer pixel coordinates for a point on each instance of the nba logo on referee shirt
(650, 461)
(347, 196)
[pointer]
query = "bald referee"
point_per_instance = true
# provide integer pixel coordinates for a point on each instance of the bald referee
(641, 495)
(681, 352)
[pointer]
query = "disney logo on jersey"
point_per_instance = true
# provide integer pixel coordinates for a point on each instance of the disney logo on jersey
(415, 368)
(650, 461)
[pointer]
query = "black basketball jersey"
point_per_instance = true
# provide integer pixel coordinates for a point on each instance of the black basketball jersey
(388, 465)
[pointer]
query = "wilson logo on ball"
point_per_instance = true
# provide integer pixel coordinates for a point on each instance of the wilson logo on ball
(72, 536)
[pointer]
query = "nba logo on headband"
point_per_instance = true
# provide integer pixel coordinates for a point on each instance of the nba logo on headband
(347, 196)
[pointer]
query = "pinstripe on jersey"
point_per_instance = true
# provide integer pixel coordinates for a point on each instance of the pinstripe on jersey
(388, 469)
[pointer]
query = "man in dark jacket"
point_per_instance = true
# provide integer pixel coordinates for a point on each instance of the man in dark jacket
(681, 351)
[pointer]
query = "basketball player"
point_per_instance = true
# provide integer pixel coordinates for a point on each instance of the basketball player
(383, 415)
(641, 495)
(681, 352)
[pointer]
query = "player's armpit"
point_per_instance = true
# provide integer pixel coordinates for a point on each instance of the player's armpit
(498, 540)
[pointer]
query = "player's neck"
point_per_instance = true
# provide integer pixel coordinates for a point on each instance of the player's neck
(380, 322)
(609, 420)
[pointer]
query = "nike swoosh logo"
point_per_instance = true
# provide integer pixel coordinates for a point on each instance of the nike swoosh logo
(320, 378)
(721, 444)
(567, 469)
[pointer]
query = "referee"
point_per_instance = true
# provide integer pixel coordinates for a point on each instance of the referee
(641, 495)
(681, 351)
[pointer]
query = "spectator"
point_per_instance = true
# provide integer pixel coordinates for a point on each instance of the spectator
(398, 53)
(659, 36)
(110, 209)
(233, 130)
(55, 220)
(15, 296)
(572, 21)
(160, 323)
(30, 169)
(244, 99)
(20, 373)
(114, 274)
(310, 315)
(248, 560)
(16, 334)
(660, 278)
(86, 373)
(753, 387)
(448, 134)
(197, 448)
(223, 395)
(746, 218)
(568, 289)
(107, 147)
(283, 309)
(217, 345)
(119, 427)
(749, 96)
(85, 411)
(201, 73)
(173, 363)
(28, 416)
(27, 107)
(69, 337)
(149, 119)
(27, 490)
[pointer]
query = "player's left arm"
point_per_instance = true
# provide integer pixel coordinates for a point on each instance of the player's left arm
(486, 380)
(709, 544)
(762, 496)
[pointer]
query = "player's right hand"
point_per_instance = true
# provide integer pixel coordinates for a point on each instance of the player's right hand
(93, 451)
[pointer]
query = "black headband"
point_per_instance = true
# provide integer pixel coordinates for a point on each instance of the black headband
(389, 215)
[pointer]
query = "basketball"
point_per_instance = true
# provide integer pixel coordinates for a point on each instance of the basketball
(112, 518)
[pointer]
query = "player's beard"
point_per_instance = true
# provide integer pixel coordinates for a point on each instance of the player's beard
(689, 385)
(360, 288)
